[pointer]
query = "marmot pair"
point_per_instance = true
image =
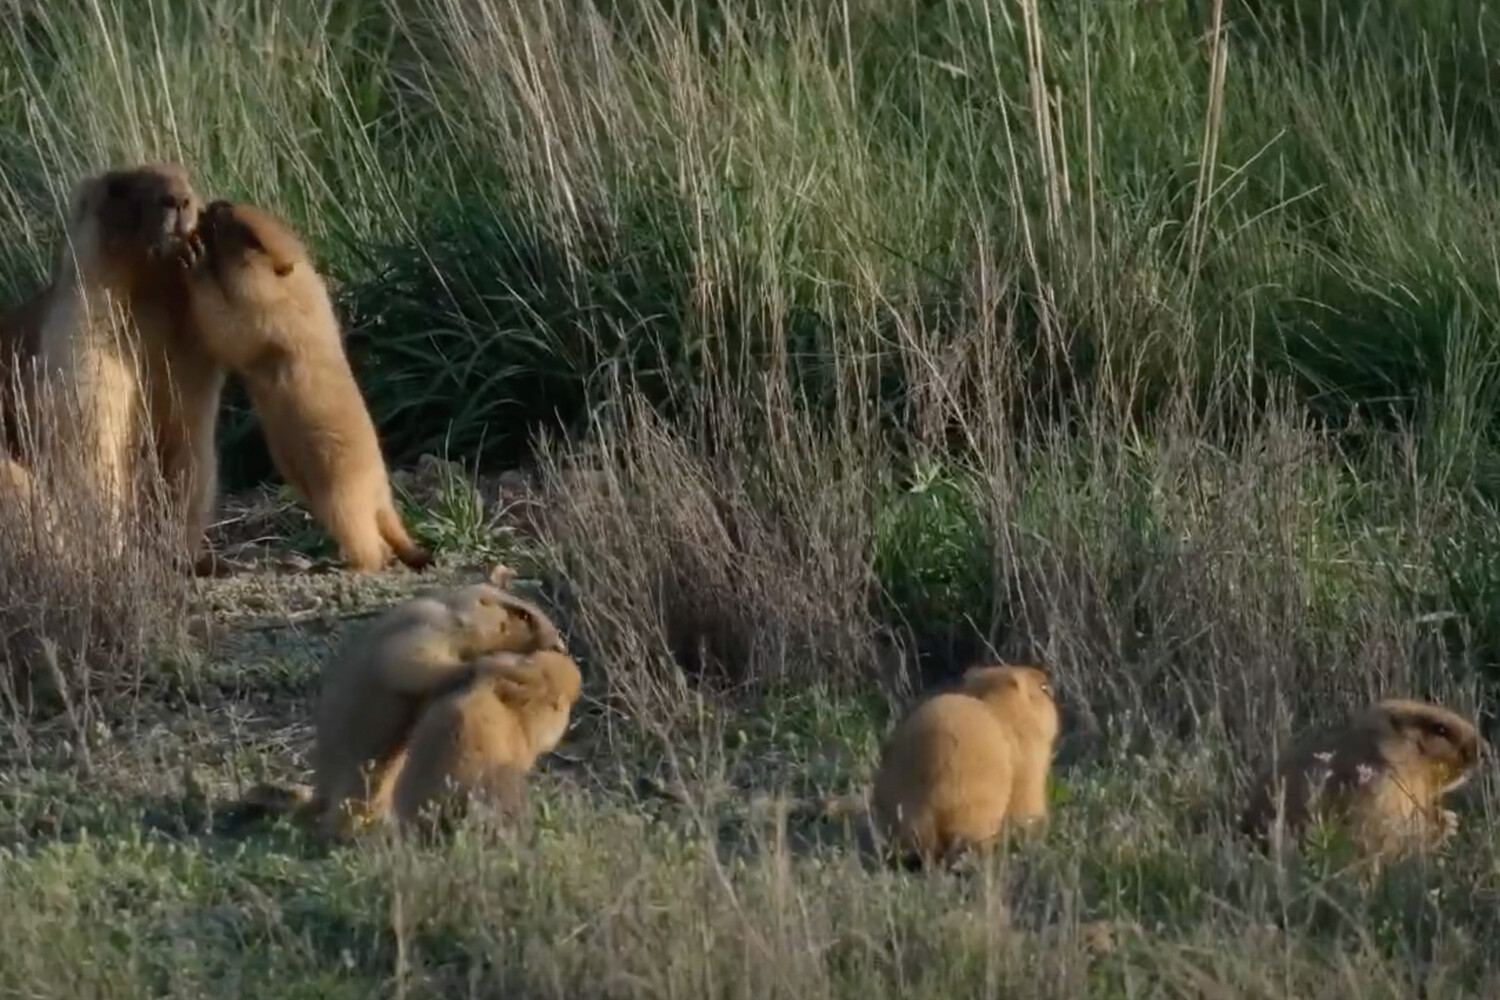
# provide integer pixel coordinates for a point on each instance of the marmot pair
(448, 695)
(152, 302)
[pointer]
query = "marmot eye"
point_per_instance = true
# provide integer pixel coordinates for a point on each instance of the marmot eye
(1441, 731)
(1046, 688)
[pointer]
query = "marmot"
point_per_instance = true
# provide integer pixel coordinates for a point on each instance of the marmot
(264, 311)
(965, 761)
(114, 328)
(482, 739)
(1381, 775)
(375, 687)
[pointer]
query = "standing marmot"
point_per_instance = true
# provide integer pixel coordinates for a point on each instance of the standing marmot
(1381, 774)
(482, 739)
(264, 311)
(132, 374)
(965, 761)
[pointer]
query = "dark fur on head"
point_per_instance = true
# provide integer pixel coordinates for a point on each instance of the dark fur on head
(1438, 734)
(241, 227)
(151, 207)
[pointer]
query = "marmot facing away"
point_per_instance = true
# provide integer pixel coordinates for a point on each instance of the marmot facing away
(1380, 775)
(964, 762)
(113, 327)
(481, 739)
(264, 311)
(376, 686)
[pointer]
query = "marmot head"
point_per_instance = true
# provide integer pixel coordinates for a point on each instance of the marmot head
(1446, 739)
(251, 253)
(541, 688)
(496, 620)
(1020, 693)
(147, 210)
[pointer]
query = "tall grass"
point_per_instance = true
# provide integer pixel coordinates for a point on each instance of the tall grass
(524, 201)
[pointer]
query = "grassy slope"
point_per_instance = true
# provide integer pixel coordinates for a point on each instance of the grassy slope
(1186, 388)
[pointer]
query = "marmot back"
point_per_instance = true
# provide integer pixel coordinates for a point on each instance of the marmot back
(483, 738)
(965, 762)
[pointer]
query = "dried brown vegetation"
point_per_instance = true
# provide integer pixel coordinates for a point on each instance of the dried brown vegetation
(79, 624)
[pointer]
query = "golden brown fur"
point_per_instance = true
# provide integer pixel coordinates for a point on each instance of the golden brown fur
(20, 337)
(965, 762)
(16, 488)
(114, 330)
(377, 684)
(483, 738)
(1381, 775)
(265, 312)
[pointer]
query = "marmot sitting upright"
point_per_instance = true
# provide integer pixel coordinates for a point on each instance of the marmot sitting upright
(263, 310)
(113, 331)
(967, 761)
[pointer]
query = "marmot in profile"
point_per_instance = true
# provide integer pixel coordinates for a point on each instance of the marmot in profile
(483, 738)
(966, 761)
(376, 686)
(115, 329)
(264, 311)
(1381, 775)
